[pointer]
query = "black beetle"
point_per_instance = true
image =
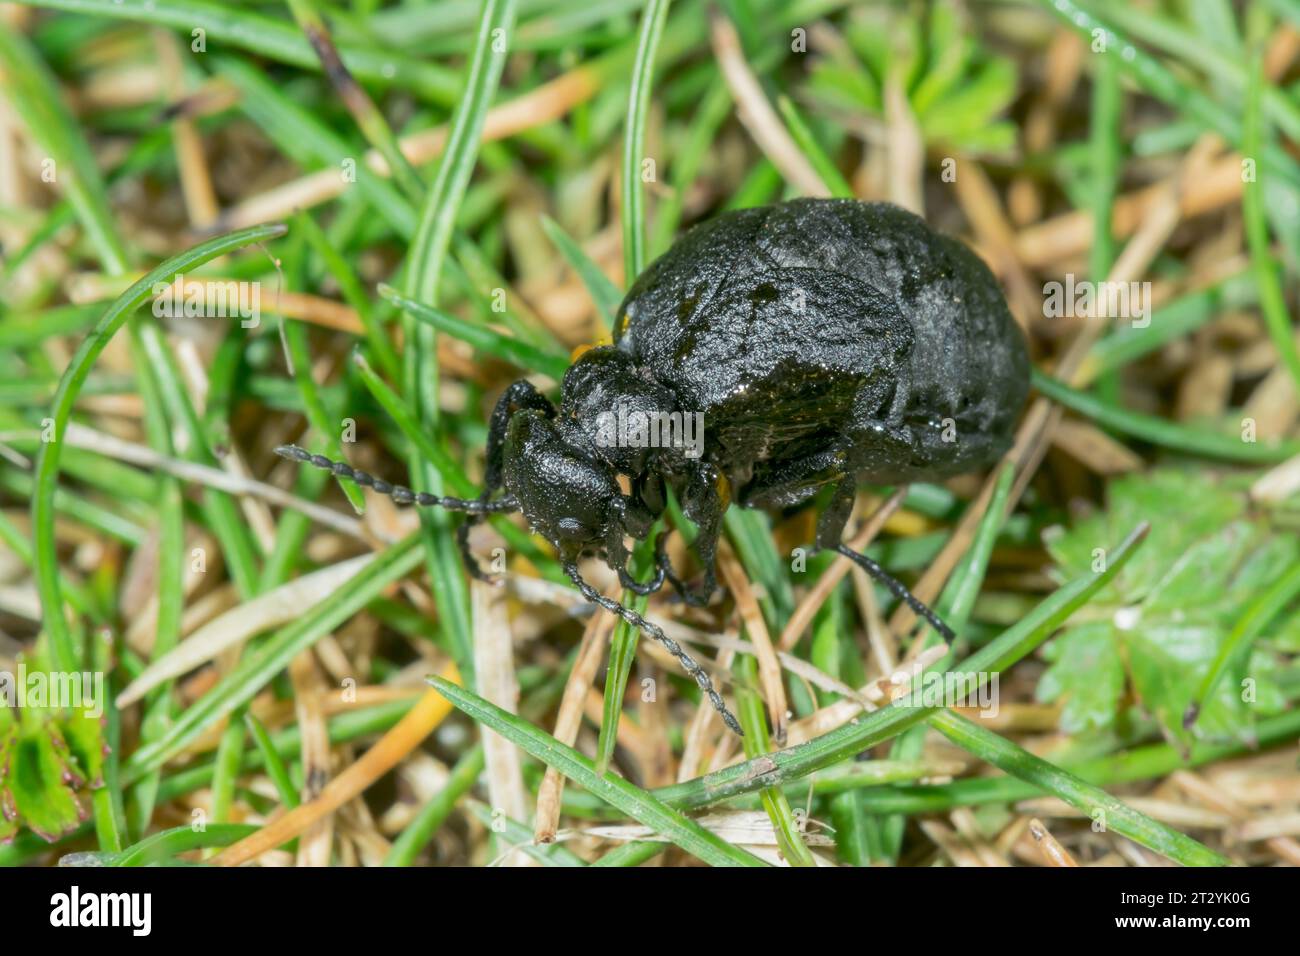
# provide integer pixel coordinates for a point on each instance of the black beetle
(822, 342)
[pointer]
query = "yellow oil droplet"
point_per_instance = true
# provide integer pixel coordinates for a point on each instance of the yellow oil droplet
(587, 347)
(724, 491)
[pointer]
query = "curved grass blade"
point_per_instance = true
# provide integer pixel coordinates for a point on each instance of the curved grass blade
(47, 459)
(163, 847)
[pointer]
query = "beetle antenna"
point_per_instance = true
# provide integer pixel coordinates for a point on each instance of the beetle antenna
(898, 589)
(636, 620)
(399, 493)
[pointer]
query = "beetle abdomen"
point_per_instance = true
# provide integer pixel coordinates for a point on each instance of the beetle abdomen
(784, 324)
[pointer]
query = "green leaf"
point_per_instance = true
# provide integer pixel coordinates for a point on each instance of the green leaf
(1087, 673)
(84, 734)
(40, 779)
(1173, 617)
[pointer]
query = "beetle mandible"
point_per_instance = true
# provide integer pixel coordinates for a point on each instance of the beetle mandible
(823, 342)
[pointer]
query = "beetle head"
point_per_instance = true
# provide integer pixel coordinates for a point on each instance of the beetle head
(568, 495)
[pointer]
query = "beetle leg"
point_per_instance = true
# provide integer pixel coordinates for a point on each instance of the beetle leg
(631, 584)
(688, 663)
(664, 563)
(703, 503)
(467, 557)
(617, 557)
(830, 532)
(518, 396)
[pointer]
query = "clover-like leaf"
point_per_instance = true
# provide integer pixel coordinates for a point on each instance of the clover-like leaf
(1160, 626)
(49, 753)
(42, 781)
(1087, 673)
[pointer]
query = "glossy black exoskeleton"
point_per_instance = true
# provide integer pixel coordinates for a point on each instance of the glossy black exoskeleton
(820, 342)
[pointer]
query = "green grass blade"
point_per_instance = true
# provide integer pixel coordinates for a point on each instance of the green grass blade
(632, 800)
(844, 742)
(1251, 624)
(812, 150)
(631, 854)
(955, 607)
(354, 294)
(165, 846)
(1141, 763)
(425, 261)
(603, 292)
(638, 108)
(369, 118)
(33, 95)
(47, 459)
(750, 712)
(241, 28)
(1093, 801)
(1161, 82)
(1158, 431)
(512, 350)
(1271, 299)
(258, 667)
(417, 834)
(274, 764)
